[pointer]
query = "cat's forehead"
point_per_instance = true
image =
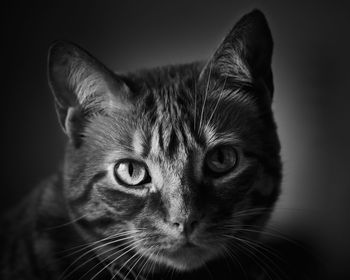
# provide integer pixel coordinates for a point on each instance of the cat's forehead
(173, 116)
(164, 110)
(163, 141)
(175, 113)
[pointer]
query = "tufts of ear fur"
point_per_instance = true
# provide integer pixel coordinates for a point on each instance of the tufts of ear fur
(245, 53)
(81, 86)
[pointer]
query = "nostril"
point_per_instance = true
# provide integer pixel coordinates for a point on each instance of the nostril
(194, 224)
(176, 224)
(186, 225)
(179, 226)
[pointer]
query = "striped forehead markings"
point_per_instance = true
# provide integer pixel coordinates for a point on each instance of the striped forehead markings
(173, 143)
(167, 140)
(160, 132)
(171, 140)
(164, 139)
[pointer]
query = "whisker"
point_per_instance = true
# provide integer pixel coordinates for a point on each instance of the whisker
(93, 257)
(240, 264)
(217, 103)
(195, 104)
(132, 247)
(265, 248)
(275, 234)
(226, 254)
(272, 252)
(140, 257)
(235, 260)
(94, 249)
(266, 257)
(270, 209)
(207, 269)
(254, 258)
(205, 98)
(145, 263)
(154, 263)
(143, 255)
(124, 265)
(86, 245)
(172, 273)
(67, 223)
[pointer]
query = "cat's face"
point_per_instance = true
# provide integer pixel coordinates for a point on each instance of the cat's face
(172, 164)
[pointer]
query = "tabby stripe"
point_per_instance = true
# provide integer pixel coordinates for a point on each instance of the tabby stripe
(149, 101)
(85, 196)
(127, 205)
(173, 144)
(184, 136)
(160, 133)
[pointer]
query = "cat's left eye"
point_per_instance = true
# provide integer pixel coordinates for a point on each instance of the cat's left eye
(221, 160)
(130, 172)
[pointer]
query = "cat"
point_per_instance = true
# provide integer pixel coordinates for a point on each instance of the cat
(167, 171)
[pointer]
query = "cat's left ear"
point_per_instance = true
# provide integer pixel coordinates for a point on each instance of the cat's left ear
(82, 86)
(245, 53)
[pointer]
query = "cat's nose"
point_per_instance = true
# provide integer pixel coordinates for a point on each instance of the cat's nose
(186, 225)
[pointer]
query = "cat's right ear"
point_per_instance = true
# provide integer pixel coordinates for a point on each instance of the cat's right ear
(81, 85)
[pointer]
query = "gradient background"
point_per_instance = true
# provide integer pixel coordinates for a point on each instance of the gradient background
(312, 92)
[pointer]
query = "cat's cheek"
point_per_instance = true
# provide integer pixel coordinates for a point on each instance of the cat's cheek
(125, 206)
(266, 187)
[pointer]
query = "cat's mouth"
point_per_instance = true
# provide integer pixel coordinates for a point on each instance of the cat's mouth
(185, 246)
(187, 256)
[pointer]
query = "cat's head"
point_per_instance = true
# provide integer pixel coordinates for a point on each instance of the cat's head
(173, 163)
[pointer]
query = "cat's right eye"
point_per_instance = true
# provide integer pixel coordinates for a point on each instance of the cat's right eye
(131, 173)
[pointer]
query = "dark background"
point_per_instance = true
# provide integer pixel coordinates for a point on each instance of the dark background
(312, 96)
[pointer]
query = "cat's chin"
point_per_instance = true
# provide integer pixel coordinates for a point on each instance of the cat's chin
(185, 258)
